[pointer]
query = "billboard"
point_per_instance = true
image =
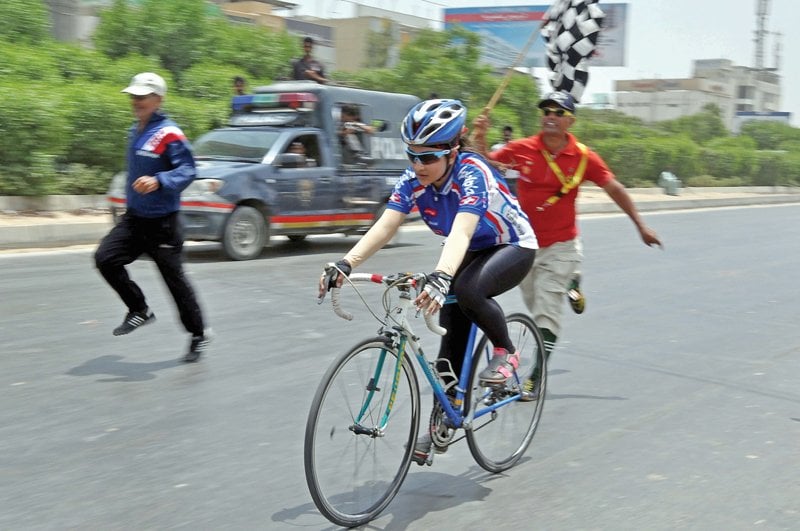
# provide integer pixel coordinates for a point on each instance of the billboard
(506, 30)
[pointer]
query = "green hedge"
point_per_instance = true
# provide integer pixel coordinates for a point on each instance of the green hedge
(70, 139)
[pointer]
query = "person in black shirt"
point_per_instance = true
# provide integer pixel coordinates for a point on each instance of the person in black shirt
(307, 67)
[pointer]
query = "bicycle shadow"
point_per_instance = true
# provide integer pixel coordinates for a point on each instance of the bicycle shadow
(124, 371)
(420, 495)
(425, 493)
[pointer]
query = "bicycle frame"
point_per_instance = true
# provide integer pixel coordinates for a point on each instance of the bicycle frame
(403, 337)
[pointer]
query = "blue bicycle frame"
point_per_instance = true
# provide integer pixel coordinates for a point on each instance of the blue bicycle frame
(454, 415)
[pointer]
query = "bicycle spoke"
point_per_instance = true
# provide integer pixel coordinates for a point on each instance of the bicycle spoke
(353, 473)
(499, 438)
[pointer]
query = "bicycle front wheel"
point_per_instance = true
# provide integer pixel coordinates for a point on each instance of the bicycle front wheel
(498, 439)
(356, 454)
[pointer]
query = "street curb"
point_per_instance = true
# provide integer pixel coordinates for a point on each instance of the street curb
(60, 233)
(684, 204)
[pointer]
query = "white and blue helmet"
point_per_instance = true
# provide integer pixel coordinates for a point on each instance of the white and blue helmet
(434, 122)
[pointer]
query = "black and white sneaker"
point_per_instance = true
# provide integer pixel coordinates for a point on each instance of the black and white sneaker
(133, 321)
(197, 346)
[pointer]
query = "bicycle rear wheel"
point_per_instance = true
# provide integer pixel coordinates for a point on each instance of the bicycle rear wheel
(355, 460)
(498, 439)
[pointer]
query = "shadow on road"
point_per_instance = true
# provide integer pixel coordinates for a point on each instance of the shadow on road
(124, 371)
(422, 493)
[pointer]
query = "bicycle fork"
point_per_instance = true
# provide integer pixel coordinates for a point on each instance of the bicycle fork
(372, 388)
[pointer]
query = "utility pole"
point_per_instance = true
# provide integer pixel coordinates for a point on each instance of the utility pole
(762, 11)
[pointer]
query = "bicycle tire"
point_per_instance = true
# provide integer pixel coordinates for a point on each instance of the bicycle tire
(498, 440)
(353, 477)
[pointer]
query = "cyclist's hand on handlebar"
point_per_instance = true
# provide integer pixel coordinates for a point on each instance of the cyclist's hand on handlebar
(437, 286)
(333, 277)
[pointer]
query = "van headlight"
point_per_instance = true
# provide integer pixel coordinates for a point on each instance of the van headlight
(205, 186)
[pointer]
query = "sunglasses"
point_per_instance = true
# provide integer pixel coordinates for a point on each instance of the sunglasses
(426, 157)
(547, 111)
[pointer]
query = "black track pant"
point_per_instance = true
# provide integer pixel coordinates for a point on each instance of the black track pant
(162, 240)
(482, 276)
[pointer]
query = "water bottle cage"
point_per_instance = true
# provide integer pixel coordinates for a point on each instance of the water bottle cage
(448, 377)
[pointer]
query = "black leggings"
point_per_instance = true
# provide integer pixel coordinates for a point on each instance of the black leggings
(481, 276)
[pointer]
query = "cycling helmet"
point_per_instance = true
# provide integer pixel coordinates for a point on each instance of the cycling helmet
(434, 122)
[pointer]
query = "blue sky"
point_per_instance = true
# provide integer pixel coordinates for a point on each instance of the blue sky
(664, 36)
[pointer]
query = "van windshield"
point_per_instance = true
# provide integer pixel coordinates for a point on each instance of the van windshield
(250, 145)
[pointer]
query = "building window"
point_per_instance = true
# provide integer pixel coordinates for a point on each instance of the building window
(746, 92)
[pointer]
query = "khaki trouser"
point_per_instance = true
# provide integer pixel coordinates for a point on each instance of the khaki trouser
(545, 286)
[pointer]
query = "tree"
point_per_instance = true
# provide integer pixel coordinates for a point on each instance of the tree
(770, 134)
(116, 34)
(378, 45)
(448, 64)
(700, 127)
(24, 21)
(173, 31)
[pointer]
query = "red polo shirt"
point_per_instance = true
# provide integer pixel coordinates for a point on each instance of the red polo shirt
(537, 183)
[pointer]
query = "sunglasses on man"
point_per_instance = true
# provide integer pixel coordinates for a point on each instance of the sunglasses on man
(426, 157)
(547, 111)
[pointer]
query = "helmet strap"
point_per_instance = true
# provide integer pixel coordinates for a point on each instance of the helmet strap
(445, 174)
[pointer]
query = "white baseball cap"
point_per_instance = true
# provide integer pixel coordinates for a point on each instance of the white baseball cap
(146, 83)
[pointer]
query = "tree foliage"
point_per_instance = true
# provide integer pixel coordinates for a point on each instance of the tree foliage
(24, 21)
(63, 121)
(700, 127)
(771, 135)
(378, 45)
(446, 63)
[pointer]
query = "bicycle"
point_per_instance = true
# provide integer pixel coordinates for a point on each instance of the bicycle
(365, 415)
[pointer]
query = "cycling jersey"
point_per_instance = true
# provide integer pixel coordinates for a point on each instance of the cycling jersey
(474, 186)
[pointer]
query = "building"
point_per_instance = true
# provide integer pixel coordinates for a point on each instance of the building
(350, 38)
(75, 20)
(734, 89)
(256, 12)
(340, 43)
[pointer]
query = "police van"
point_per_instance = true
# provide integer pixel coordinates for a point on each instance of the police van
(297, 158)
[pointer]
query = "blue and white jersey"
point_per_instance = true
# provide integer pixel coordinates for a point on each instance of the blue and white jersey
(473, 186)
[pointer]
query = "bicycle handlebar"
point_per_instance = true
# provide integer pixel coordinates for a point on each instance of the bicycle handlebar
(432, 325)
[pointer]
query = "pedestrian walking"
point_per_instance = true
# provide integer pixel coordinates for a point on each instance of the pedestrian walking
(160, 165)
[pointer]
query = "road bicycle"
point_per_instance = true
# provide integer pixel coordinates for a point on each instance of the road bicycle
(365, 416)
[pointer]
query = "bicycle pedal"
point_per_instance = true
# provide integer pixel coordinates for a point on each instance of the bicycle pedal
(422, 460)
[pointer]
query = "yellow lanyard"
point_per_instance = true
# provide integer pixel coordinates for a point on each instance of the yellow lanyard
(570, 183)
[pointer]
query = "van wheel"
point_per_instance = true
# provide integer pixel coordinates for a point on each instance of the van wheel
(296, 237)
(246, 233)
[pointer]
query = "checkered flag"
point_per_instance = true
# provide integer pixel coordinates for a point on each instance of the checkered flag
(570, 31)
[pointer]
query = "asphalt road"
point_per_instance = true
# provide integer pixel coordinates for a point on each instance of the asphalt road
(673, 401)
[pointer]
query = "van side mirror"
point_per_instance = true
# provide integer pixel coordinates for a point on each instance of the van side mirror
(290, 160)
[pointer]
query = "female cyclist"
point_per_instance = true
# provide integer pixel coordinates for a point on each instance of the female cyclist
(490, 244)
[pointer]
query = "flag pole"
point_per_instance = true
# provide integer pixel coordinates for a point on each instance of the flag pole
(509, 73)
(503, 84)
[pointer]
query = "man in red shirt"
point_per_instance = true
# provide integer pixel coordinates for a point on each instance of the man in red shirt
(551, 167)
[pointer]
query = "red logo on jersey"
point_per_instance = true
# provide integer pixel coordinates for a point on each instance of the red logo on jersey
(430, 212)
(470, 200)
